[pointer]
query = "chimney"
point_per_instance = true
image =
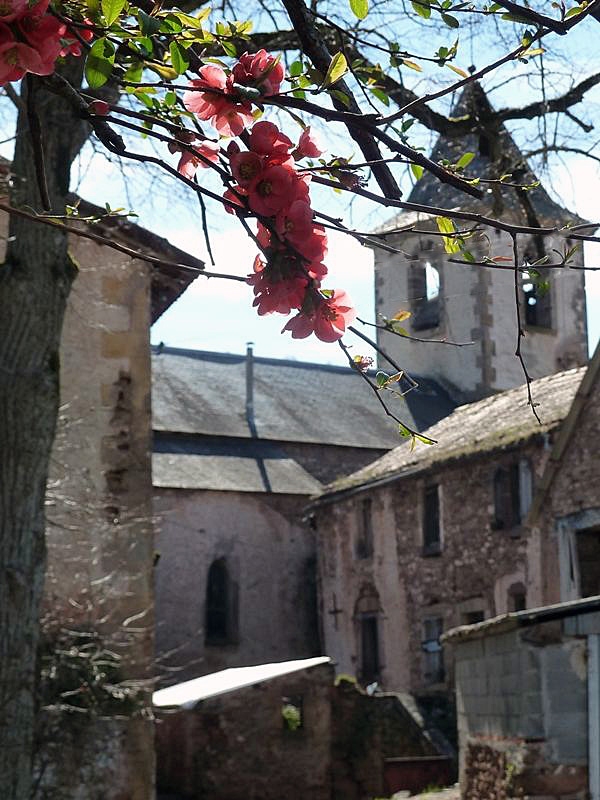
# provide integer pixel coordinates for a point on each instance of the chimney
(250, 388)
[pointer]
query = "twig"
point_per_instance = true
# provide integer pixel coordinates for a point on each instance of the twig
(520, 331)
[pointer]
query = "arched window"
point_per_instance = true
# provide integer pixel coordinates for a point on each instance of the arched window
(424, 289)
(367, 613)
(537, 300)
(219, 627)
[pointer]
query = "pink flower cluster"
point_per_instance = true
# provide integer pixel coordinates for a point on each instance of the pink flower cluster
(31, 39)
(287, 276)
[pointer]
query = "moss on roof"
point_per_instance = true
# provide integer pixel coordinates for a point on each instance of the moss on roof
(500, 421)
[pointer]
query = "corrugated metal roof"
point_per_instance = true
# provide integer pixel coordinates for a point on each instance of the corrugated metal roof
(197, 392)
(189, 693)
(495, 422)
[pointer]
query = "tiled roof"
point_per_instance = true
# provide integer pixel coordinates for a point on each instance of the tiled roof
(498, 421)
(203, 393)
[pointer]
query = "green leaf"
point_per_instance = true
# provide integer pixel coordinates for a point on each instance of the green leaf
(458, 70)
(465, 160)
(421, 9)
(99, 63)
(360, 8)
(381, 379)
(380, 95)
(179, 58)
(450, 21)
(446, 225)
(111, 10)
(296, 69)
(148, 25)
(417, 171)
(229, 48)
(337, 68)
(341, 96)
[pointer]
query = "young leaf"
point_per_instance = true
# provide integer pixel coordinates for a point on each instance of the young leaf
(99, 63)
(422, 9)
(338, 67)
(179, 58)
(446, 225)
(148, 25)
(465, 160)
(412, 64)
(111, 10)
(458, 70)
(417, 170)
(360, 8)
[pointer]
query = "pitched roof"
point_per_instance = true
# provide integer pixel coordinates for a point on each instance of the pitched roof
(496, 153)
(221, 464)
(204, 393)
(496, 422)
(189, 693)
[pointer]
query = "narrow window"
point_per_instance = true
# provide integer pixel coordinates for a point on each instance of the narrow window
(517, 597)
(369, 634)
(588, 554)
(513, 489)
(219, 613)
(431, 521)
(433, 659)
(537, 301)
(424, 287)
(364, 543)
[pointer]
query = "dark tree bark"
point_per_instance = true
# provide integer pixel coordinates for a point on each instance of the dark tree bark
(35, 280)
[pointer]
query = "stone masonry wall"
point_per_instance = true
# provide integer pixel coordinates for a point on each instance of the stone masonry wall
(99, 520)
(236, 747)
(270, 557)
(475, 569)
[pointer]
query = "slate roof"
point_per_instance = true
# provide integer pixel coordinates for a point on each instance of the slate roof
(504, 158)
(204, 393)
(496, 422)
(189, 693)
(219, 464)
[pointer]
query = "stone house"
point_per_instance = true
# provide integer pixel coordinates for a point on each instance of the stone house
(286, 730)
(99, 584)
(528, 703)
(426, 539)
(240, 444)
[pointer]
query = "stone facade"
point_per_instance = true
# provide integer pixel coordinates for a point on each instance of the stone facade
(472, 572)
(270, 558)
(477, 305)
(99, 592)
(237, 745)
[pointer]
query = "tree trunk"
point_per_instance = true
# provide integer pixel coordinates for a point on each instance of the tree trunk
(34, 285)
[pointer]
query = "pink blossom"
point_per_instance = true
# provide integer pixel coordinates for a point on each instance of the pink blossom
(99, 107)
(72, 45)
(308, 145)
(233, 199)
(227, 113)
(267, 140)
(203, 152)
(327, 319)
(246, 166)
(43, 33)
(12, 9)
(273, 190)
(261, 70)
(274, 295)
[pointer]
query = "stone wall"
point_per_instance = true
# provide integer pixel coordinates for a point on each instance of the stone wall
(522, 712)
(99, 525)
(473, 572)
(236, 746)
(270, 557)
